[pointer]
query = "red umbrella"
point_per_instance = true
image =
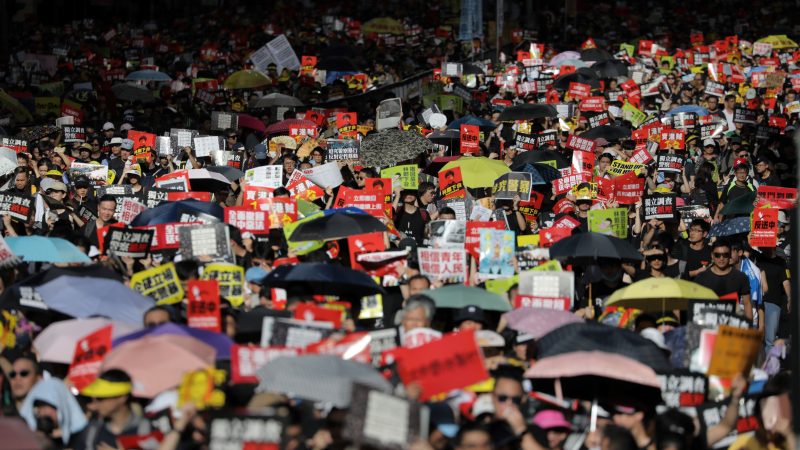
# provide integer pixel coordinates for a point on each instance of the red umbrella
(283, 126)
(248, 121)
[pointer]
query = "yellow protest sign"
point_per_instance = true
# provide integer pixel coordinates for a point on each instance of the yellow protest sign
(407, 175)
(735, 351)
(371, 307)
(198, 388)
(230, 278)
(528, 240)
(48, 105)
(633, 114)
(549, 266)
(501, 285)
(628, 48)
(619, 167)
(612, 222)
(8, 336)
(161, 283)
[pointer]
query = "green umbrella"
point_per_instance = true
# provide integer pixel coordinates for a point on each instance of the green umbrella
(742, 205)
(459, 296)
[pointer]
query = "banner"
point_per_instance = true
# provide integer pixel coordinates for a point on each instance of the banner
(230, 278)
(96, 173)
(88, 357)
(669, 162)
(443, 264)
(247, 220)
(203, 305)
(128, 242)
(160, 283)
(613, 222)
(513, 184)
(342, 149)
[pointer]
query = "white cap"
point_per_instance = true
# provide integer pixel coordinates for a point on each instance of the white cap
(707, 142)
(483, 405)
(108, 126)
(615, 111)
(489, 338)
(126, 127)
(116, 141)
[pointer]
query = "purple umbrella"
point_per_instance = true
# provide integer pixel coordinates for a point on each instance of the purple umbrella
(539, 321)
(221, 343)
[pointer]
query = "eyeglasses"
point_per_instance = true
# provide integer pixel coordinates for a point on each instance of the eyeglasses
(722, 255)
(22, 374)
(516, 399)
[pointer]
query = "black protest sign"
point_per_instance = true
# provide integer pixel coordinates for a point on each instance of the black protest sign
(670, 162)
(180, 138)
(245, 431)
(712, 413)
(74, 134)
(525, 141)
(711, 130)
(681, 388)
(86, 214)
(513, 184)
(548, 137)
(713, 313)
(764, 133)
(381, 341)
(598, 119)
(116, 190)
(659, 206)
(744, 116)
(381, 420)
(156, 196)
(17, 206)
(684, 120)
(293, 333)
(224, 120)
(615, 95)
(128, 242)
(210, 241)
(343, 149)
(235, 159)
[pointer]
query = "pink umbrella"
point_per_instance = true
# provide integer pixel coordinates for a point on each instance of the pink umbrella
(17, 435)
(158, 363)
(57, 342)
(539, 321)
(248, 121)
(283, 126)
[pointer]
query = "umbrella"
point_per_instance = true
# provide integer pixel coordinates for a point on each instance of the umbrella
(577, 63)
(593, 336)
(204, 180)
(158, 363)
(230, 173)
(478, 172)
(527, 111)
(778, 41)
(540, 156)
(607, 132)
(610, 68)
(11, 104)
(539, 321)
(597, 375)
(86, 297)
(246, 79)
(37, 132)
(23, 295)
(584, 75)
(742, 205)
(274, 100)
(46, 249)
(471, 69)
(459, 296)
(730, 227)
(322, 378)
(337, 64)
(220, 342)
(487, 125)
(132, 93)
(309, 279)
(595, 54)
(8, 161)
(17, 435)
(57, 342)
(253, 123)
(588, 248)
(564, 56)
(660, 294)
(450, 139)
(383, 25)
(541, 173)
(391, 146)
(171, 212)
(250, 323)
(696, 109)
(335, 224)
(283, 126)
(148, 75)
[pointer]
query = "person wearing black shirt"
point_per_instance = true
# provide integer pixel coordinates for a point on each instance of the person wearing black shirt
(695, 251)
(724, 279)
(764, 174)
(774, 268)
(410, 219)
(740, 185)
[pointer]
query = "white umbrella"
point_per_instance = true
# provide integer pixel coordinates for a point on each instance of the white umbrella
(275, 99)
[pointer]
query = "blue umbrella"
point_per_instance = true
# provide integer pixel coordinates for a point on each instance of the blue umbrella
(46, 249)
(471, 120)
(219, 341)
(737, 225)
(173, 211)
(542, 173)
(309, 279)
(699, 110)
(88, 297)
(148, 75)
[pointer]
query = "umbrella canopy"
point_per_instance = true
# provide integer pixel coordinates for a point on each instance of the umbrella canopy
(336, 224)
(607, 132)
(393, 145)
(595, 54)
(11, 104)
(696, 109)
(171, 212)
(555, 60)
(596, 375)
(729, 227)
(540, 173)
(283, 126)
(230, 173)
(132, 93)
(274, 100)
(37, 132)
(8, 162)
(148, 75)
(577, 63)
(660, 294)
(383, 25)
(204, 180)
(459, 296)
(23, 295)
(778, 41)
(742, 205)
(611, 68)
(57, 342)
(246, 79)
(472, 69)
(584, 75)
(17, 435)
(539, 321)
(253, 123)
(322, 279)
(158, 363)
(589, 248)
(486, 125)
(593, 336)
(46, 249)
(86, 297)
(541, 156)
(478, 172)
(527, 111)
(448, 140)
(250, 323)
(322, 378)
(220, 342)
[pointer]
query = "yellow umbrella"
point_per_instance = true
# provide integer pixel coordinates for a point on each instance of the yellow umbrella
(477, 171)
(21, 114)
(246, 79)
(778, 41)
(383, 25)
(660, 294)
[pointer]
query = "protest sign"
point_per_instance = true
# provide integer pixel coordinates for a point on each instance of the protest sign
(582, 161)
(671, 139)
(472, 240)
(619, 167)
(744, 116)
(388, 114)
(381, 420)
(451, 184)
(578, 143)
(74, 134)
(18, 145)
(246, 359)
(282, 211)
(712, 413)
(181, 138)
(579, 91)
(470, 138)
(443, 264)
(342, 149)
(88, 357)
(247, 220)
(129, 209)
(293, 333)
(128, 242)
(447, 233)
(628, 188)
(207, 241)
(143, 145)
(669, 162)
(513, 184)
(525, 142)
(302, 188)
(177, 181)
(161, 283)
(532, 301)
(404, 176)
(163, 146)
(567, 182)
(659, 206)
(713, 313)
(613, 222)
(165, 235)
(548, 285)
(764, 227)
(251, 432)
(778, 197)
(221, 121)
(346, 125)
(692, 212)
(453, 362)
(203, 305)
(278, 51)
(230, 278)
(598, 119)
(96, 173)
(17, 206)
(364, 243)
(252, 193)
(496, 253)
(176, 196)
(681, 388)
(327, 175)
(735, 351)
(309, 312)
(207, 146)
(266, 176)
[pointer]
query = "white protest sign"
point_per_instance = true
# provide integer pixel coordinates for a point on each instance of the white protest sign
(206, 146)
(269, 176)
(325, 175)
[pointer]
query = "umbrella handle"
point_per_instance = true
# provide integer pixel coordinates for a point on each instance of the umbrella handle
(593, 422)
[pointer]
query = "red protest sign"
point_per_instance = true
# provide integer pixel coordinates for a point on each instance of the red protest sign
(364, 243)
(582, 161)
(247, 219)
(143, 145)
(778, 197)
(549, 236)
(672, 139)
(453, 362)
(581, 144)
(253, 193)
(202, 309)
(628, 188)
(764, 227)
(307, 64)
(371, 202)
(302, 188)
(191, 195)
(347, 124)
(355, 346)
(245, 360)
(595, 103)
(531, 301)
(451, 183)
(89, 354)
(777, 122)
(311, 312)
(341, 197)
(175, 181)
(316, 117)
(473, 235)
(530, 209)
(166, 236)
(281, 210)
(579, 90)
(565, 183)
(470, 139)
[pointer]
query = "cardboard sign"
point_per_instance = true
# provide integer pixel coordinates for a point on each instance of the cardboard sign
(613, 222)
(203, 305)
(451, 184)
(346, 124)
(659, 206)
(735, 351)
(230, 278)
(221, 121)
(453, 362)
(247, 220)
(764, 227)
(280, 210)
(96, 173)
(628, 188)
(669, 162)
(246, 359)
(74, 134)
(128, 242)
(778, 197)
(160, 283)
(681, 388)
(513, 184)
(548, 285)
(143, 145)
(379, 420)
(470, 139)
(129, 209)
(88, 357)
(17, 206)
(343, 149)
(205, 241)
(405, 176)
(582, 161)
(266, 176)
(578, 143)
(443, 264)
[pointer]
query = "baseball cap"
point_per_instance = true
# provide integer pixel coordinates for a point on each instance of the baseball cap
(782, 218)
(116, 141)
(108, 126)
(127, 144)
(471, 312)
(740, 162)
(56, 186)
(489, 338)
(81, 181)
(763, 159)
(53, 173)
(135, 170)
(550, 419)
(126, 127)
(709, 142)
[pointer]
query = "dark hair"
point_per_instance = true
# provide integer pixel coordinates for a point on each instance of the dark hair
(468, 428)
(447, 210)
(30, 357)
(700, 223)
(720, 243)
(704, 173)
(369, 172)
(674, 429)
(280, 191)
(186, 269)
(419, 276)
(167, 309)
(619, 438)
(107, 198)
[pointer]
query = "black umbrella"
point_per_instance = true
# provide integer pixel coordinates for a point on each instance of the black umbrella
(308, 279)
(204, 180)
(583, 75)
(174, 211)
(471, 69)
(589, 248)
(593, 336)
(231, 173)
(540, 156)
(527, 111)
(337, 64)
(742, 205)
(607, 132)
(449, 138)
(23, 295)
(249, 324)
(611, 68)
(337, 224)
(595, 54)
